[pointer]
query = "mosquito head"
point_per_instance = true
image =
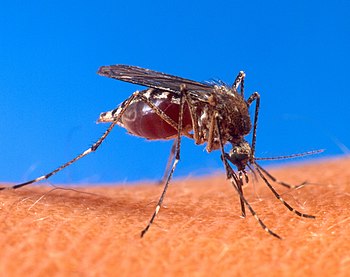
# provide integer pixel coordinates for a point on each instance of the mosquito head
(240, 154)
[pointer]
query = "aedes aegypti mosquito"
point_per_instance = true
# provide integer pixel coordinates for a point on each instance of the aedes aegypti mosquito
(172, 107)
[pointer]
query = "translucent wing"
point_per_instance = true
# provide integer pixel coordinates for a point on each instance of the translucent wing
(154, 79)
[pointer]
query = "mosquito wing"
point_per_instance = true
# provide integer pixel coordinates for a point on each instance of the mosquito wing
(154, 79)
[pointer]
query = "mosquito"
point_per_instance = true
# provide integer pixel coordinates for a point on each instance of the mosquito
(211, 113)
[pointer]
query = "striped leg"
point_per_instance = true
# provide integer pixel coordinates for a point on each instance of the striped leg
(83, 154)
(235, 180)
(177, 159)
(168, 164)
(239, 81)
(254, 97)
(274, 179)
(258, 168)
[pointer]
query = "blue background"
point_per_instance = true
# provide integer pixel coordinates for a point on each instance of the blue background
(295, 53)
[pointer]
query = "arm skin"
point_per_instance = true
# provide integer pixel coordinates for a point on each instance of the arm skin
(96, 230)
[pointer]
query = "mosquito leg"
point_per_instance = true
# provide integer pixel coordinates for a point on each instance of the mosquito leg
(83, 154)
(279, 196)
(177, 159)
(254, 97)
(253, 172)
(194, 119)
(211, 132)
(168, 164)
(234, 180)
(239, 186)
(274, 179)
(239, 81)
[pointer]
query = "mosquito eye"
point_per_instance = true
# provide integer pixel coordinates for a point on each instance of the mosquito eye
(236, 158)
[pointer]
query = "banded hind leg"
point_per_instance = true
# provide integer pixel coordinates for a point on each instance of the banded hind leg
(175, 162)
(83, 154)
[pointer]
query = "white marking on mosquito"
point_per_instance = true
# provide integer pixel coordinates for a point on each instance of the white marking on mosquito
(41, 178)
(148, 93)
(204, 116)
(117, 112)
(157, 209)
(87, 152)
(163, 95)
(228, 90)
(175, 100)
(106, 117)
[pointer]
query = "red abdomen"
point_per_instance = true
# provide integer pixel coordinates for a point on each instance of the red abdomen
(143, 121)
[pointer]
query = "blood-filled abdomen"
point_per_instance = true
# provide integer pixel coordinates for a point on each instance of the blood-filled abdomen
(143, 121)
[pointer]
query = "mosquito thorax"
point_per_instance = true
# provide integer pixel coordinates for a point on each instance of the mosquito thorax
(240, 154)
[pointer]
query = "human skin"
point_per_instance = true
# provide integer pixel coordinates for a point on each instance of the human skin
(199, 232)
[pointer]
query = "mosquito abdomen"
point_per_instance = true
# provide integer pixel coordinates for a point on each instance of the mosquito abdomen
(143, 121)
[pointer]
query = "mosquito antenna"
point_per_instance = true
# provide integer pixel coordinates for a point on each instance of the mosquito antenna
(297, 155)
